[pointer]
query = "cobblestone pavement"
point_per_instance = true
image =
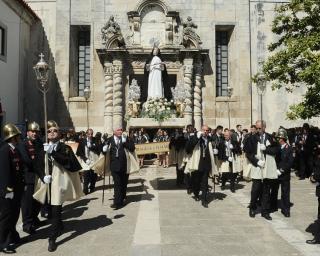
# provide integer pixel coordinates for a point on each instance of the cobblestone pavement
(161, 219)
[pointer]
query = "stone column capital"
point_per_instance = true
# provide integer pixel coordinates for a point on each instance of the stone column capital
(117, 67)
(108, 68)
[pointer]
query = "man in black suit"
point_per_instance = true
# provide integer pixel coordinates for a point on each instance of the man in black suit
(284, 160)
(261, 185)
(118, 164)
(29, 149)
(200, 176)
(315, 178)
(86, 149)
(11, 188)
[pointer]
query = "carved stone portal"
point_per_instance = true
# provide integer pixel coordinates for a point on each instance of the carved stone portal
(152, 22)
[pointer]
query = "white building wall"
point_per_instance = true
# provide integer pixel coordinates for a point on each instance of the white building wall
(10, 69)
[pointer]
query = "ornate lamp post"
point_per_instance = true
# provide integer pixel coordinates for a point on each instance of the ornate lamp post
(229, 91)
(87, 94)
(261, 88)
(42, 73)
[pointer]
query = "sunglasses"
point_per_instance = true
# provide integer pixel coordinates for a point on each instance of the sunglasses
(53, 130)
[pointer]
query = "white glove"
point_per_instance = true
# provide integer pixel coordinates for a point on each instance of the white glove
(261, 163)
(199, 134)
(231, 146)
(215, 151)
(48, 147)
(88, 162)
(105, 148)
(123, 139)
(9, 195)
(47, 179)
(262, 147)
(278, 172)
(230, 159)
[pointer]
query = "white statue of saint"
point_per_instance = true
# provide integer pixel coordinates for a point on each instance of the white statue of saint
(155, 81)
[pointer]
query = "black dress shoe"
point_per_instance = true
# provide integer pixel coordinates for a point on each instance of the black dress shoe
(313, 241)
(232, 190)
(285, 213)
(196, 197)
(266, 216)
(252, 213)
(30, 230)
(189, 191)
(52, 245)
(204, 203)
(8, 250)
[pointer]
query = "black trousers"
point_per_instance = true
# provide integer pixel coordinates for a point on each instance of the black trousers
(29, 207)
(228, 176)
(56, 222)
(187, 181)
(261, 189)
(180, 175)
(9, 215)
(5, 225)
(285, 194)
(305, 164)
(89, 180)
(120, 180)
(200, 183)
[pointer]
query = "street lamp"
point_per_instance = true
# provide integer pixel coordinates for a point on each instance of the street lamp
(42, 73)
(229, 92)
(87, 94)
(261, 88)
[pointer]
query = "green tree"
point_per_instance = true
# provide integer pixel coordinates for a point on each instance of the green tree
(295, 61)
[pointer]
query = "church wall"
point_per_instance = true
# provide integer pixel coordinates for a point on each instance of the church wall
(57, 16)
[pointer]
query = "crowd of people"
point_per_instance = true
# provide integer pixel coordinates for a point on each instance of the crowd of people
(39, 174)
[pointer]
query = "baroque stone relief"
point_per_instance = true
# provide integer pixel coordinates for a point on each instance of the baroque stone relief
(112, 35)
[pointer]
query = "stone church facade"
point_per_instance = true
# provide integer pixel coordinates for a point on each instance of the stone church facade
(212, 46)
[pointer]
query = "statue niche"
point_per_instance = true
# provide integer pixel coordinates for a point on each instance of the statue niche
(153, 26)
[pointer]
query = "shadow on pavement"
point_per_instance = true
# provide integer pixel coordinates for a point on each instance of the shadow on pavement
(314, 229)
(215, 196)
(166, 184)
(80, 227)
(76, 209)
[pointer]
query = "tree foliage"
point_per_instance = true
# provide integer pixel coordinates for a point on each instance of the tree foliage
(295, 61)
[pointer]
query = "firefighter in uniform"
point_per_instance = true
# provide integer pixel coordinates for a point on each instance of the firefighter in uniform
(11, 188)
(29, 149)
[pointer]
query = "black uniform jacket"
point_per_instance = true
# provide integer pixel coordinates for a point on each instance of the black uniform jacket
(252, 144)
(28, 151)
(118, 161)
(284, 160)
(11, 173)
(222, 154)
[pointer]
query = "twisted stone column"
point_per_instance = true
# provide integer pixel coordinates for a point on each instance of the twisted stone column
(108, 97)
(197, 97)
(117, 94)
(188, 73)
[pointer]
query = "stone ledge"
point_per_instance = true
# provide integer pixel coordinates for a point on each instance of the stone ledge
(151, 123)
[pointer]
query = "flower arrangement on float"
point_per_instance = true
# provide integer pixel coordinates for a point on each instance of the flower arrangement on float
(160, 109)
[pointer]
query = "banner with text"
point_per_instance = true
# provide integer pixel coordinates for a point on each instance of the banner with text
(152, 148)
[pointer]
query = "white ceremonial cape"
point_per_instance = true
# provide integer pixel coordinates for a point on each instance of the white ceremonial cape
(103, 164)
(270, 169)
(65, 186)
(193, 163)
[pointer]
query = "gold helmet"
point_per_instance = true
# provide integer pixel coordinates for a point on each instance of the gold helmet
(10, 131)
(53, 124)
(282, 134)
(33, 126)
